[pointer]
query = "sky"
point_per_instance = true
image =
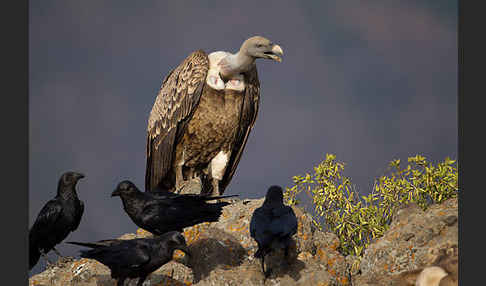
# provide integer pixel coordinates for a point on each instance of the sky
(368, 81)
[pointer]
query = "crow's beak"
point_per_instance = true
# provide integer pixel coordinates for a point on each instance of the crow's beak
(79, 176)
(115, 193)
(185, 250)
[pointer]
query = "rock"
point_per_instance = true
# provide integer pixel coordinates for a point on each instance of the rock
(222, 253)
(416, 239)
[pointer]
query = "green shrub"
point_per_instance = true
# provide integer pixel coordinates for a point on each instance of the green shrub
(358, 220)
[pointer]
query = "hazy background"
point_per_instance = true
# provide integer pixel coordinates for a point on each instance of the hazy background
(369, 81)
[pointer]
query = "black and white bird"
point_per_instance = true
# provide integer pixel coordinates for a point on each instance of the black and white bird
(59, 217)
(165, 211)
(272, 225)
(203, 115)
(135, 258)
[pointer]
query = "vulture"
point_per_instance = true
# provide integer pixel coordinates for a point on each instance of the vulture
(202, 117)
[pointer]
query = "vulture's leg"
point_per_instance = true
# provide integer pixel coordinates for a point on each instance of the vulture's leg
(190, 173)
(217, 169)
(179, 178)
(192, 185)
(215, 183)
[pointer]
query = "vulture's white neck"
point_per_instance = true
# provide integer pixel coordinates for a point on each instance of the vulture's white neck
(234, 64)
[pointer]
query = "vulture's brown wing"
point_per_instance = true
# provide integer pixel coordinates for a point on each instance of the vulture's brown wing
(174, 106)
(247, 120)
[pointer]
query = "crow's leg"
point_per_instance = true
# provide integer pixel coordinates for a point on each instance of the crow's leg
(120, 281)
(286, 254)
(57, 252)
(267, 273)
(141, 280)
(44, 255)
(262, 260)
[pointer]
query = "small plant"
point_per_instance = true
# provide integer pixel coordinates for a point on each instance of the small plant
(358, 220)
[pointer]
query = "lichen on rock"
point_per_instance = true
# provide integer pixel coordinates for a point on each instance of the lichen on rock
(222, 253)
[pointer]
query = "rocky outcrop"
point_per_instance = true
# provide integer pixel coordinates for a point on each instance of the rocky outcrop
(222, 253)
(416, 239)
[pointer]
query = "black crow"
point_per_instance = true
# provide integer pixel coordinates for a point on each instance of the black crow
(57, 219)
(135, 258)
(165, 211)
(272, 225)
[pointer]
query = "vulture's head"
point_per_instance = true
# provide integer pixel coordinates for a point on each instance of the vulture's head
(260, 47)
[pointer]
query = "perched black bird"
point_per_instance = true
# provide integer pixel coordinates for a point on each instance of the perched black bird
(135, 258)
(57, 219)
(165, 211)
(272, 225)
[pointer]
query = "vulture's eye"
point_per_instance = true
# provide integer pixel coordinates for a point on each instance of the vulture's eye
(259, 45)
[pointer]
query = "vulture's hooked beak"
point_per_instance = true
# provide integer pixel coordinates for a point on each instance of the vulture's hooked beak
(276, 53)
(116, 193)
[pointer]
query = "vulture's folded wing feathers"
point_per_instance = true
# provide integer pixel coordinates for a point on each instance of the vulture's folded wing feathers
(175, 104)
(247, 120)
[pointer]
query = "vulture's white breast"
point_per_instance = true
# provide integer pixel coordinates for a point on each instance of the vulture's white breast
(214, 80)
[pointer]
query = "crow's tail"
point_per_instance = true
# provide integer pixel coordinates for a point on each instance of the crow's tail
(87, 244)
(89, 253)
(209, 212)
(208, 198)
(34, 254)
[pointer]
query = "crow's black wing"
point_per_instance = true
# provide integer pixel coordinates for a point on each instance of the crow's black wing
(162, 215)
(46, 219)
(185, 198)
(129, 254)
(177, 213)
(259, 224)
(284, 222)
(78, 216)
